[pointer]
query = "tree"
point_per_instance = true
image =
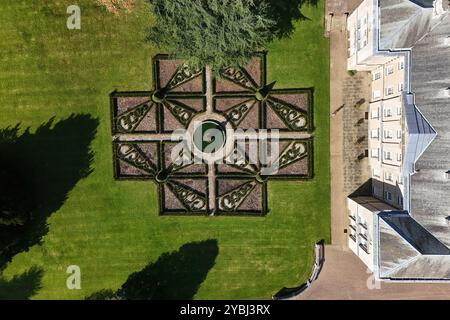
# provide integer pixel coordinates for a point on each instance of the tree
(218, 33)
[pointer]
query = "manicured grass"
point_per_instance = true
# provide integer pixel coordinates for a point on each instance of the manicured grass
(112, 228)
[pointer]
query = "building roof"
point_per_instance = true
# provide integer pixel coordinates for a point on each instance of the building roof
(372, 204)
(415, 234)
(403, 23)
(394, 250)
(420, 133)
(426, 231)
(409, 251)
(430, 76)
(424, 3)
(423, 267)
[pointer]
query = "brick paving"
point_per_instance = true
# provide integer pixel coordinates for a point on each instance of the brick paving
(345, 277)
(356, 92)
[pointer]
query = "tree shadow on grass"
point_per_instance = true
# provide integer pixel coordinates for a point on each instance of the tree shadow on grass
(37, 171)
(174, 276)
(21, 287)
(285, 13)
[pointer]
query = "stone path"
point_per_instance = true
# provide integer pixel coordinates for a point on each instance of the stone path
(356, 165)
(347, 172)
(337, 75)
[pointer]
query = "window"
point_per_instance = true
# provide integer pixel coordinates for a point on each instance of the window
(400, 200)
(399, 156)
(363, 243)
(387, 155)
(376, 75)
(376, 191)
(376, 94)
(352, 214)
(362, 221)
(387, 112)
(374, 152)
(389, 70)
(399, 134)
(400, 87)
(374, 133)
(375, 114)
(399, 111)
(401, 65)
(388, 91)
(376, 173)
(388, 195)
(388, 134)
(388, 176)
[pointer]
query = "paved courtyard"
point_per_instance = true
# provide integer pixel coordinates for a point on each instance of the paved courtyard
(348, 129)
(344, 276)
(356, 91)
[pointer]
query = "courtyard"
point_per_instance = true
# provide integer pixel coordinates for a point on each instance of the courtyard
(55, 94)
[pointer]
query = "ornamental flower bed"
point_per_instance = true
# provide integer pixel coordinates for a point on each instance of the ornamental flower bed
(144, 124)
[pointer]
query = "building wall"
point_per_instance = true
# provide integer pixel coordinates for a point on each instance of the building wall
(362, 35)
(361, 232)
(386, 130)
(385, 124)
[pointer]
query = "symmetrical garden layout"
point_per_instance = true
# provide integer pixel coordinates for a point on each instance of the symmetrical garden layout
(185, 104)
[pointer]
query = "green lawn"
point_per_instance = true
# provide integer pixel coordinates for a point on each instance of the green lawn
(112, 228)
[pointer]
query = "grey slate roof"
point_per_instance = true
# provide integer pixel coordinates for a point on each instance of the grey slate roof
(423, 267)
(409, 252)
(426, 231)
(416, 235)
(430, 189)
(424, 3)
(403, 23)
(394, 251)
(430, 76)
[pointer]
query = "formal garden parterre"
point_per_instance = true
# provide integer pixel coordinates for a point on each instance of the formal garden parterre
(237, 100)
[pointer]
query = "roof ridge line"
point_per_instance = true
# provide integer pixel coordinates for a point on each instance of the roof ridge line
(401, 265)
(401, 29)
(405, 213)
(442, 18)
